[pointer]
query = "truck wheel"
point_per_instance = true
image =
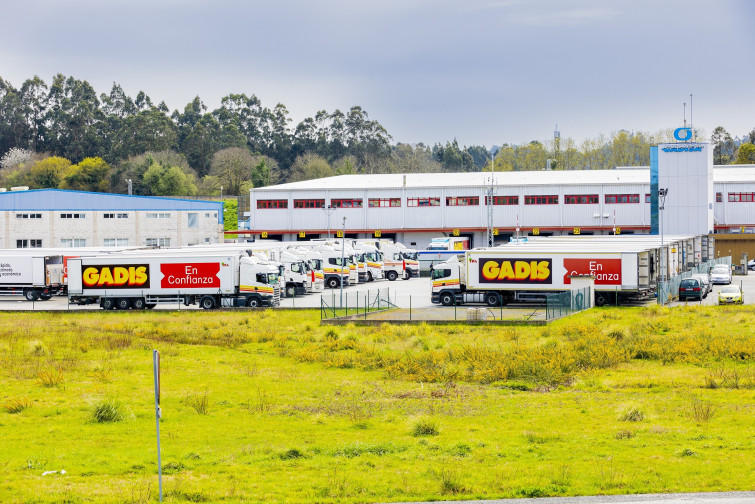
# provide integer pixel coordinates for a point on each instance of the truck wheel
(253, 302)
(207, 302)
(333, 282)
(290, 290)
(123, 303)
(138, 303)
(492, 299)
(31, 294)
(391, 275)
(369, 276)
(45, 297)
(447, 299)
(108, 304)
(600, 300)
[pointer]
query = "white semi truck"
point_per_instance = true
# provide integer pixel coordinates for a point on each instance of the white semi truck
(126, 281)
(500, 275)
(35, 275)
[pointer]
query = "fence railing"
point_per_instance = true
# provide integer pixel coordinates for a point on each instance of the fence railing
(355, 303)
(567, 303)
(670, 288)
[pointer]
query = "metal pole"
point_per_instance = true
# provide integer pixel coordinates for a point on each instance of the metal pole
(156, 369)
(343, 244)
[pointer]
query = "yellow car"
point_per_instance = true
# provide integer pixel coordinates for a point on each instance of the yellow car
(730, 294)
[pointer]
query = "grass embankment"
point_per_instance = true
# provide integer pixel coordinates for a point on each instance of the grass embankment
(271, 407)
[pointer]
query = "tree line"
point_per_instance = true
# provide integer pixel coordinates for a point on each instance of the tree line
(65, 135)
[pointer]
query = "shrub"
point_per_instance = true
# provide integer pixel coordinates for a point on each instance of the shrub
(14, 406)
(108, 410)
(200, 402)
(702, 411)
(50, 378)
(631, 414)
(425, 427)
(293, 453)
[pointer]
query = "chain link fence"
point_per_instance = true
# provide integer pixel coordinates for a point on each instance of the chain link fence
(669, 289)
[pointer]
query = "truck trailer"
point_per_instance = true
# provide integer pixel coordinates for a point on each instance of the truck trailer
(30, 273)
(501, 275)
(142, 281)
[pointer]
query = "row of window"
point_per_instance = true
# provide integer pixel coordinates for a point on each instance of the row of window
(107, 242)
(569, 199)
(124, 215)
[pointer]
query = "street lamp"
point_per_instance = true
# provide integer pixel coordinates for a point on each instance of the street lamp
(343, 244)
(662, 193)
(329, 210)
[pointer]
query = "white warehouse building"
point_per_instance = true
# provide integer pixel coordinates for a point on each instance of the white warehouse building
(413, 208)
(52, 218)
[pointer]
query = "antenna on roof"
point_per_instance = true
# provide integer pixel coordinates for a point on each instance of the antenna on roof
(690, 117)
(685, 114)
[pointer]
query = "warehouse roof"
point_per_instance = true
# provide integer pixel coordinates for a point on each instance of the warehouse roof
(629, 175)
(57, 199)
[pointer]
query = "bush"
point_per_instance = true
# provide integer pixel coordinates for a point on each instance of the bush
(632, 414)
(425, 427)
(200, 403)
(14, 406)
(50, 379)
(108, 410)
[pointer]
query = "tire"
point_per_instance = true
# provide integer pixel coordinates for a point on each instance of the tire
(254, 302)
(333, 282)
(492, 299)
(290, 290)
(108, 304)
(447, 299)
(123, 303)
(408, 275)
(45, 297)
(31, 294)
(600, 300)
(391, 275)
(369, 276)
(138, 303)
(207, 303)
(150, 306)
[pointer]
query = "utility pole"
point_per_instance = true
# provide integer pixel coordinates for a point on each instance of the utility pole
(489, 201)
(662, 193)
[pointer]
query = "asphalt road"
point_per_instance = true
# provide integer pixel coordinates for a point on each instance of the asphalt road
(692, 498)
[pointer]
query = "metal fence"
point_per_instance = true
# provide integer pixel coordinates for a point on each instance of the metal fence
(355, 303)
(567, 303)
(669, 289)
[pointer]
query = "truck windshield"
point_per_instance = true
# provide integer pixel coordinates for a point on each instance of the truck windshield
(296, 268)
(410, 255)
(335, 260)
(441, 273)
(315, 264)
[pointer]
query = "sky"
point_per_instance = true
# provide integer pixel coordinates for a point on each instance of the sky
(483, 72)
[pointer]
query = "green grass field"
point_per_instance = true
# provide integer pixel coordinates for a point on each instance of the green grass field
(269, 406)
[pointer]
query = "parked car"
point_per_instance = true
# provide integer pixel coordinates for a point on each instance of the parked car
(730, 294)
(705, 281)
(690, 288)
(751, 264)
(721, 274)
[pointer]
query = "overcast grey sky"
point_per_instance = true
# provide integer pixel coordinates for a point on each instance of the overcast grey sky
(482, 71)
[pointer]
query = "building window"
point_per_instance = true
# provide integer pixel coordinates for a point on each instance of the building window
(116, 242)
(622, 198)
(158, 215)
(422, 202)
(73, 216)
(309, 203)
(28, 243)
(271, 203)
(719, 197)
(384, 202)
(108, 216)
(193, 220)
(741, 197)
(29, 216)
(647, 198)
(158, 242)
(346, 203)
(541, 200)
(115, 215)
(73, 242)
(581, 199)
(503, 200)
(462, 200)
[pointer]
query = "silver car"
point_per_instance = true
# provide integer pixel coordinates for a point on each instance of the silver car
(720, 275)
(705, 283)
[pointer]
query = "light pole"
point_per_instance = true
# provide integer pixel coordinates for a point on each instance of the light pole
(343, 244)
(329, 210)
(662, 193)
